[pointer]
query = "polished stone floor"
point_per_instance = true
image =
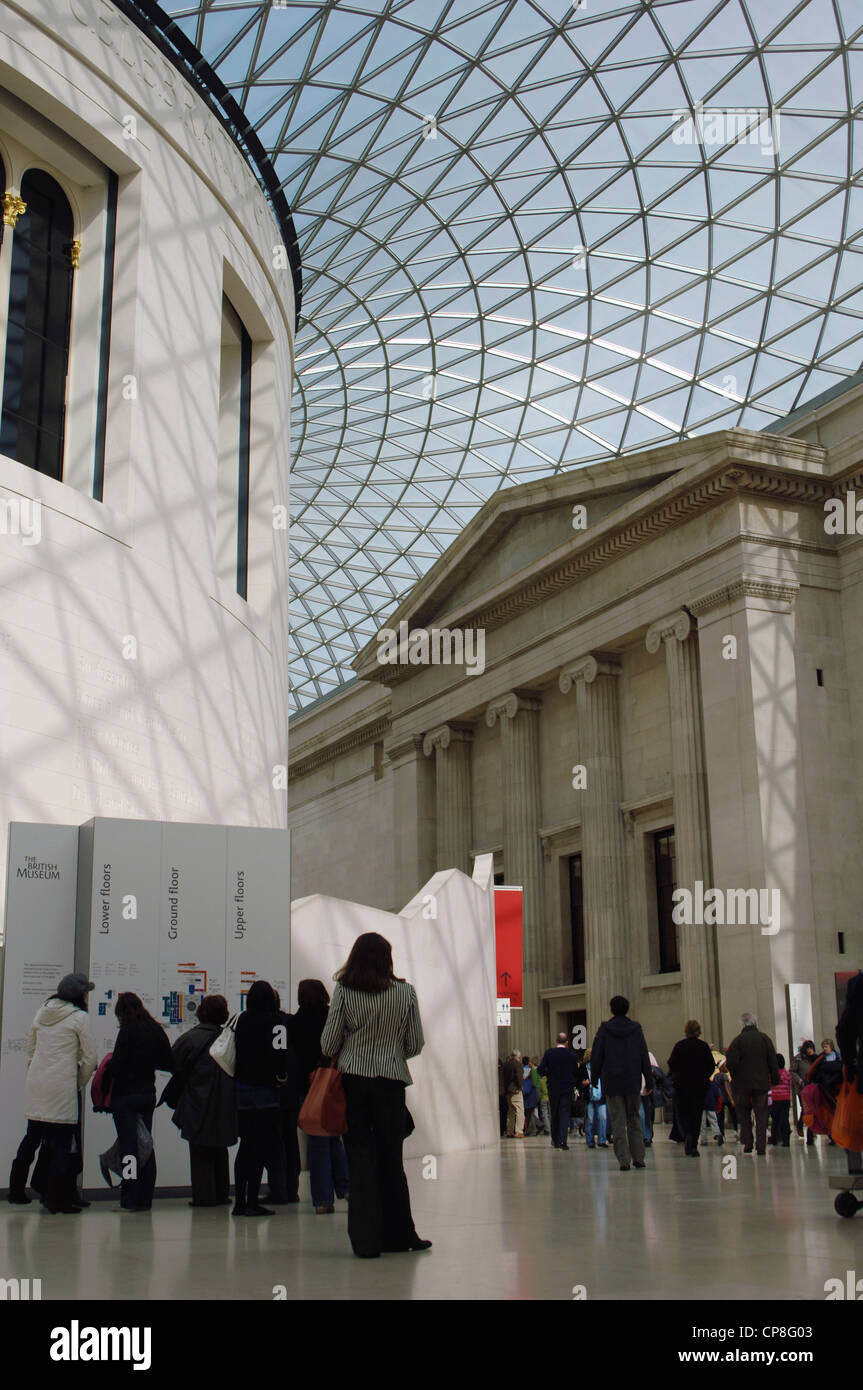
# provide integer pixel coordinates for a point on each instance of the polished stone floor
(520, 1222)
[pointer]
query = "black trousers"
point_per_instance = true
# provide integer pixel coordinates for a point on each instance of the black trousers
(379, 1204)
(284, 1177)
(561, 1113)
(260, 1147)
(690, 1108)
(210, 1176)
(57, 1164)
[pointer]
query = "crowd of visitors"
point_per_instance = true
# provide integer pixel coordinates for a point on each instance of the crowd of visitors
(610, 1093)
(243, 1078)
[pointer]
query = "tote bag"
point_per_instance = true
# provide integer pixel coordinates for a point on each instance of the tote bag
(324, 1112)
(847, 1130)
(224, 1050)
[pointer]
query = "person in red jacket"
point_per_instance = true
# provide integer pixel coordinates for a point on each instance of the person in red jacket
(780, 1106)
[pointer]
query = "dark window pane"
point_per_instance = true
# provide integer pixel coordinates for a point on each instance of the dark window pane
(576, 917)
(665, 867)
(33, 419)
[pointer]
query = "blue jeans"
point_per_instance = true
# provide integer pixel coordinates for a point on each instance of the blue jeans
(328, 1169)
(648, 1109)
(136, 1194)
(597, 1116)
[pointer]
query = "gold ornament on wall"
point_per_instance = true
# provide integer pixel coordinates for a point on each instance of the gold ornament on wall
(13, 208)
(73, 253)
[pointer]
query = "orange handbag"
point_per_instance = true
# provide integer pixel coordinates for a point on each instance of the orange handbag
(847, 1128)
(324, 1112)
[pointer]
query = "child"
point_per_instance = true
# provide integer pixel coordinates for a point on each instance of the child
(780, 1106)
(710, 1122)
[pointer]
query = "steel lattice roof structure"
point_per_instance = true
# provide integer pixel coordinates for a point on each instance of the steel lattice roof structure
(535, 235)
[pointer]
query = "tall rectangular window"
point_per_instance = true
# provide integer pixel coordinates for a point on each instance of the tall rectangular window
(665, 869)
(235, 415)
(576, 917)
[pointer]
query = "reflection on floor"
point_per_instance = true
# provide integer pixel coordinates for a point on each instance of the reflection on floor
(522, 1221)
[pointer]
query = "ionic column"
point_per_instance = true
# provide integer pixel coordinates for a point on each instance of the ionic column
(450, 744)
(413, 817)
(518, 716)
(698, 962)
(608, 960)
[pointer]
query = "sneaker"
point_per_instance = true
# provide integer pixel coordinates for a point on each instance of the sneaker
(641, 1165)
(624, 1167)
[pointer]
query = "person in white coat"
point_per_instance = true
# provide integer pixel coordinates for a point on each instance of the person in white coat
(61, 1059)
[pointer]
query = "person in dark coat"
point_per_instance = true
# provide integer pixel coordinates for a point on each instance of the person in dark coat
(142, 1048)
(259, 1072)
(754, 1069)
(849, 1038)
(690, 1067)
(284, 1177)
(328, 1164)
(799, 1069)
(560, 1067)
(205, 1111)
(618, 1061)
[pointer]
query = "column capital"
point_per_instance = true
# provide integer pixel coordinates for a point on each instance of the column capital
(677, 626)
(444, 735)
(586, 669)
(509, 705)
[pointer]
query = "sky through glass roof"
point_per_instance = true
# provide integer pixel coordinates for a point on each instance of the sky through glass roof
(535, 235)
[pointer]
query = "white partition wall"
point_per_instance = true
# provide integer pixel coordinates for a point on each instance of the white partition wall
(443, 943)
(168, 910)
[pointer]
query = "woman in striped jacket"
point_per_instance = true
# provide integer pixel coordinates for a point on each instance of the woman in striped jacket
(372, 1029)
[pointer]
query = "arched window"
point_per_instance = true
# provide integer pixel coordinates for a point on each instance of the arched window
(37, 336)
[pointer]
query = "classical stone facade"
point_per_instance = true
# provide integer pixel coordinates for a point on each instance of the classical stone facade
(672, 642)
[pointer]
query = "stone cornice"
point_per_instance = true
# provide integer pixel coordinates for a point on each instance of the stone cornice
(617, 538)
(676, 625)
(308, 762)
(586, 669)
(746, 588)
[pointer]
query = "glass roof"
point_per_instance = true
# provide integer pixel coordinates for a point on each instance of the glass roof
(535, 235)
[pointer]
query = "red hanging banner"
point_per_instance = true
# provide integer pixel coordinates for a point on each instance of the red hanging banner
(508, 944)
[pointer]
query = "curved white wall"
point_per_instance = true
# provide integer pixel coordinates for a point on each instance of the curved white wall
(192, 725)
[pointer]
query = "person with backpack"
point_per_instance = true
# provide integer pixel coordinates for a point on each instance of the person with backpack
(596, 1112)
(140, 1050)
(690, 1067)
(61, 1058)
(779, 1101)
(202, 1096)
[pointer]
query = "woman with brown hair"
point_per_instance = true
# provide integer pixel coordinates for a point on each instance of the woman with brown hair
(142, 1048)
(690, 1067)
(372, 1029)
